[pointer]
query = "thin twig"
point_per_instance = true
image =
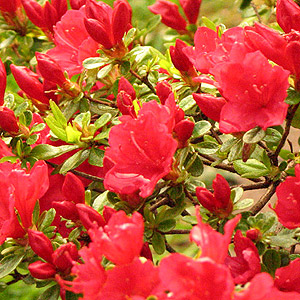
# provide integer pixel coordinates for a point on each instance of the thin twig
(170, 249)
(216, 136)
(159, 203)
(177, 231)
(286, 132)
(190, 196)
(256, 12)
(253, 186)
(144, 80)
(265, 198)
(79, 173)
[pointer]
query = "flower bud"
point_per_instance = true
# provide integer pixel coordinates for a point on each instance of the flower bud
(89, 217)
(2, 82)
(64, 256)
(40, 244)
(288, 15)
(50, 69)
(41, 270)
(163, 90)
(191, 9)
(34, 12)
(8, 121)
(29, 82)
(169, 13)
(219, 202)
(183, 131)
(254, 234)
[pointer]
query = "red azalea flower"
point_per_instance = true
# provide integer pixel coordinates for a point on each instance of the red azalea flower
(288, 15)
(136, 280)
(105, 25)
(287, 279)
(121, 240)
(141, 150)
(2, 82)
(73, 43)
(8, 121)
(283, 50)
(255, 92)
(213, 244)
(28, 186)
(246, 264)
(185, 278)
(261, 287)
(9, 6)
(219, 202)
(210, 49)
(288, 204)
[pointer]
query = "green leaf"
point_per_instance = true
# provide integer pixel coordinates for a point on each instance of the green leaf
(9, 263)
(251, 169)
(125, 67)
(32, 139)
(37, 127)
(74, 161)
(236, 194)
(95, 62)
(201, 128)
(96, 157)
(254, 135)
(296, 119)
(283, 239)
(187, 103)
(58, 115)
(272, 260)
(166, 225)
(56, 128)
(104, 71)
(129, 37)
(48, 219)
(73, 134)
(51, 293)
(102, 135)
(194, 165)
(235, 151)
(74, 234)
(103, 120)
(207, 147)
(175, 192)
(158, 243)
(45, 151)
(152, 23)
(243, 204)
(272, 136)
(100, 201)
(21, 108)
(228, 144)
(208, 23)
(293, 97)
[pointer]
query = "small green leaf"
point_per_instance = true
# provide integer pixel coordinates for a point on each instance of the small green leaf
(227, 145)
(158, 243)
(37, 127)
(32, 139)
(236, 194)
(103, 120)
(74, 161)
(95, 62)
(187, 103)
(254, 135)
(235, 151)
(284, 239)
(9, 263)
(129, 37)
(207, 148)
(51, 293)
(251, 169)
(201, 128)
(100, 201)
(293, 97)
(45, 151)
(166, 225)
(272, 136)
(175, 192)
(58, 115)
(48, 219)
(96, 157)
(194, 164)
(272, 260)
(208, 23)
(104, 71)
(243, 204)
(74, 234)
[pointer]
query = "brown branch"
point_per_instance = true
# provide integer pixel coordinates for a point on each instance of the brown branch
(265, 198)
(286, 132)
(170, 249)
(79, 173)
(216, 136)
(253, 186)
(100, 101)
(177, 231)
(144, 80)
(159, 203)
(190, 196)
(256, 12)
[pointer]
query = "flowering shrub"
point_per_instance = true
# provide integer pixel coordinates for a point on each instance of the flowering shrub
(111, 124)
